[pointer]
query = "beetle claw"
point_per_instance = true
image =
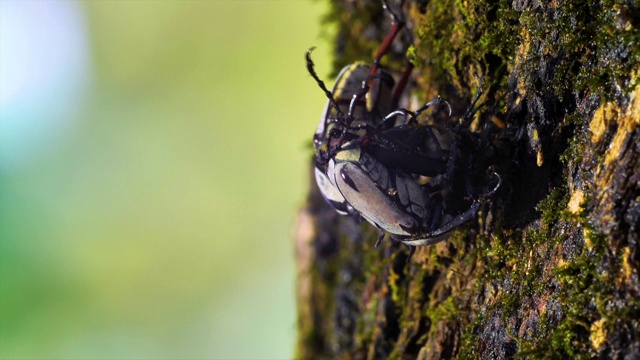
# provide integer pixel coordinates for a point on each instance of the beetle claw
(412, 250)
(380, 237)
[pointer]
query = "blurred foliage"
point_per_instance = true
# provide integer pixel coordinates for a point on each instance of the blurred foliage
(161, 226)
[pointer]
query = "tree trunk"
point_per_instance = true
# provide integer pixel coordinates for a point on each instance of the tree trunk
(550, 267)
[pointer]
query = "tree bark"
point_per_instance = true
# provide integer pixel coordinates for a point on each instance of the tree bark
(548, 269)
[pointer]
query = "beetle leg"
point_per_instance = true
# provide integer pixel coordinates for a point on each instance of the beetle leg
(489, 193)
(424, 107)
(412, 250)
(393, 114)
(367, 127)
(435, 236)
(363, 91)
(415, 114)
(380, 237)
(404, 79)
(495, 188)
(468, 115)
(402, 83)
(396, 18)
(439, 234)
(398, 24)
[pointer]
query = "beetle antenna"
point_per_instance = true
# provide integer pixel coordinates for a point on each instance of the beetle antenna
(310, 66)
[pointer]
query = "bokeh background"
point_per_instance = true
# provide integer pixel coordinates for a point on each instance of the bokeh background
(153, 155)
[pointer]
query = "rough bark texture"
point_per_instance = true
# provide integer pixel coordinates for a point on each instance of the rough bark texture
(549, 269)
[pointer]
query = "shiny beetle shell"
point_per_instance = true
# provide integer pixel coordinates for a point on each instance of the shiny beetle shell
(379, 163)
(331, 194)
(389, 201)
(366, 110)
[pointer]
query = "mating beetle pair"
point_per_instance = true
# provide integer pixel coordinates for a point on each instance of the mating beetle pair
(375, 161)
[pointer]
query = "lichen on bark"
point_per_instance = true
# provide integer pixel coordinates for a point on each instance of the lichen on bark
(550, 268)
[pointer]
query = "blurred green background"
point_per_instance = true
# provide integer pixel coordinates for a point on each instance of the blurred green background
(153, 155)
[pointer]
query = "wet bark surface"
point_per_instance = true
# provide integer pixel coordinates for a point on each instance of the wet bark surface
(549, 267)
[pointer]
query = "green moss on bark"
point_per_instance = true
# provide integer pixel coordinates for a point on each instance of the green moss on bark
(550, 267)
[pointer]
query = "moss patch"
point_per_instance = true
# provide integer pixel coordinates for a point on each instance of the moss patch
(557, 279)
